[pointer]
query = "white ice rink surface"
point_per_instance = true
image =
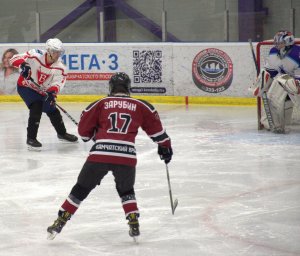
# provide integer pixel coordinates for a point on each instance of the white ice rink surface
(238, 189)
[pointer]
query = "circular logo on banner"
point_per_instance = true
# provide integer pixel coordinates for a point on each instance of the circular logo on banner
(212, 70)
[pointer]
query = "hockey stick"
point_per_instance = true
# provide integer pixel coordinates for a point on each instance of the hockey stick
(65, 112)
(175, 203)
(264, 98)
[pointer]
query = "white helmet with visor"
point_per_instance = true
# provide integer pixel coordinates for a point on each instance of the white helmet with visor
(285, 38)
(54, 45)
(283, 41)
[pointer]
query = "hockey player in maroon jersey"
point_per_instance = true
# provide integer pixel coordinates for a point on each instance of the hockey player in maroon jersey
(113, 124)
(45, 68)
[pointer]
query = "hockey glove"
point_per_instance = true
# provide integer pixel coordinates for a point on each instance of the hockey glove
(51, 97)
(165, 153)
(25, 70)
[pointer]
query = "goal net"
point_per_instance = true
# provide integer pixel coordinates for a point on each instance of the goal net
(262, 52)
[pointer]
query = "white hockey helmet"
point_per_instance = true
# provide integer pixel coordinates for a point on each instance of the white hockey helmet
(55, 45)
(285, 38)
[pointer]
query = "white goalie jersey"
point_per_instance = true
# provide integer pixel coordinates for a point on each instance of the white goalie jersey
(51, 77)
(288, 64)
(285, 72)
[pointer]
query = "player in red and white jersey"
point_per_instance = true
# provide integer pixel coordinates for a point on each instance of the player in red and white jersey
(113, 124)
(47, 70)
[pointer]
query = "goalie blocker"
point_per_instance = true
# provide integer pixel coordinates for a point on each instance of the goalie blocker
(262, 83)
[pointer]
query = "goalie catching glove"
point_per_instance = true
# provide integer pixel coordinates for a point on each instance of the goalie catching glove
(165, 153)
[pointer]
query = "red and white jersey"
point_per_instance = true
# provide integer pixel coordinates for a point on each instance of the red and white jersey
(51, 77)
(113, 122)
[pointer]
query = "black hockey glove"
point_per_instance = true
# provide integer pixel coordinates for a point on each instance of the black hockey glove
(51, 97)
(25, 70)
(165, 153)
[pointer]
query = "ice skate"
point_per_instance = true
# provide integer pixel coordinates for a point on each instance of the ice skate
(34, 145)
(58, 225)
(133, 223)
(67, 137)
(279, 130)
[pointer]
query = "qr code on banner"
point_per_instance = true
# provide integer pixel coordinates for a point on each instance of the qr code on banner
(147, 66)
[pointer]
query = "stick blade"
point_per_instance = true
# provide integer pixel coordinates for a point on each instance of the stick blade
(174, 206)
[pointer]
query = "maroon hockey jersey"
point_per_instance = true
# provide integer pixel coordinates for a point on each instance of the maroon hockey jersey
(113, 123)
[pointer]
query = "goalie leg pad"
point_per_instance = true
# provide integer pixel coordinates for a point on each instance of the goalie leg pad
(288, 111)
(277, 96)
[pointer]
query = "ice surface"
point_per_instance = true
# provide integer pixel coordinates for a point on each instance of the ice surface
(238, 189)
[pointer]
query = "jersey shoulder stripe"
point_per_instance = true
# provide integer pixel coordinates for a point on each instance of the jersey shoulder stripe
(90, 106)
(147, 104)
(60, 68)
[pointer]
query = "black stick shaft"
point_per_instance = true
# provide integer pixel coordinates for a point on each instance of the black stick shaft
(253, 56)
(173, 204)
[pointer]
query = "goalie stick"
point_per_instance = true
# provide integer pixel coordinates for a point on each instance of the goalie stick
(63, 110)
(175, 203)
(264, 97)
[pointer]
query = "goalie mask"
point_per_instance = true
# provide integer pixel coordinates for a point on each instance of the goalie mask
(283, 41)
(54, 45)
(119, 83)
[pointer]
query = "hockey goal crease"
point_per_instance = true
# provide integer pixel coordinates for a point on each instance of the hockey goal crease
(262, 52)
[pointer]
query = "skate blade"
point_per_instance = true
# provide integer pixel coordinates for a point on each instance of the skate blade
(68, 142)
(51, 236)
(30, 148)
(286, 131)
(135, 239)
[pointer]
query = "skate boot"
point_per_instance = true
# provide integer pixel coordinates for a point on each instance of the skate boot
(34, 144)
(67, 137)
(58, 224)
(133, 223)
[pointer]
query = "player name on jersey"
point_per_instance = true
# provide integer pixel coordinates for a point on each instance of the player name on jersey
(120, 104)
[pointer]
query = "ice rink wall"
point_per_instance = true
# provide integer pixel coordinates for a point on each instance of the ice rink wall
(195, 71)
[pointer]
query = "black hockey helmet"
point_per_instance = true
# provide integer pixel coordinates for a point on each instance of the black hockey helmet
(119, 83)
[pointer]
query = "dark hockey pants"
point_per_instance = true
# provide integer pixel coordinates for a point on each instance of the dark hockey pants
(37, 104)
(35, 114)
(92, 173)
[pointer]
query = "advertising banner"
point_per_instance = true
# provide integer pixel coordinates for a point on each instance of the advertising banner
(216, 69)
(179, 69)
